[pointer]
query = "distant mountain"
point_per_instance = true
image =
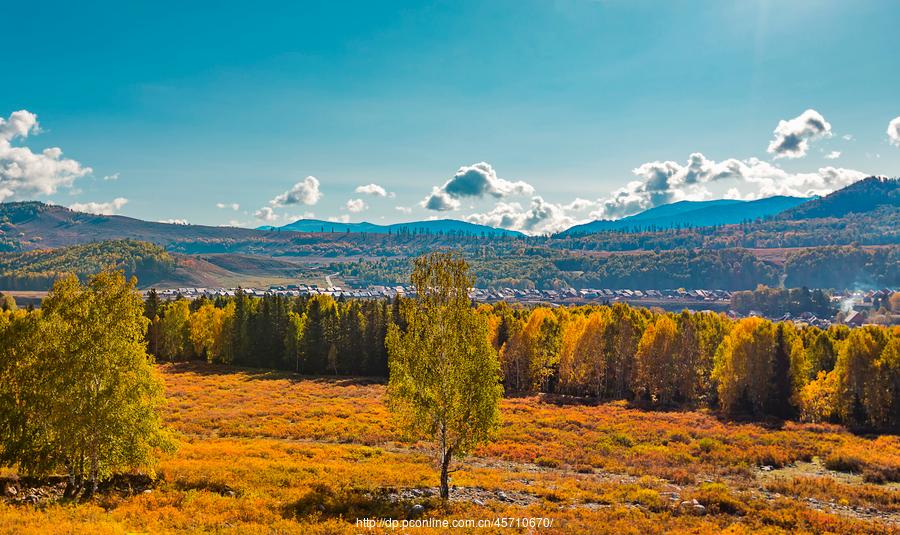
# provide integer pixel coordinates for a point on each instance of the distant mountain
(693, 214)
(431, 226)
(26, 226)
(865, 195)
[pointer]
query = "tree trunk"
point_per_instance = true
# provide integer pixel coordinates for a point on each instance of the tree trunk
(95, 469)
(71, 488)
(445, 475)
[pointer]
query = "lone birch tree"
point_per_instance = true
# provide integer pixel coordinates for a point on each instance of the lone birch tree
(444, 374)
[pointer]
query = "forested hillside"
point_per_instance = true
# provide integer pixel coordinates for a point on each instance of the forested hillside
(36, 270)
(725, 269)
(880, 226)
(863, 196)
(685, 214)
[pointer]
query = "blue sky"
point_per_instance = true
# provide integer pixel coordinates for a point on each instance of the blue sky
(578, 109)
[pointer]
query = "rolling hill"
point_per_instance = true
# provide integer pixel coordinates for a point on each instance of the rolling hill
(693, 214)
(36, 270)
(151, 264)
(866, 195)
(445, 226)
(36, 225)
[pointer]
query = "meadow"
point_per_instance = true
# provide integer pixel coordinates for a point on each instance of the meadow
(263, 452)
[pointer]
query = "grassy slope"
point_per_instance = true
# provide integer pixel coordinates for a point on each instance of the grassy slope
(263, 451)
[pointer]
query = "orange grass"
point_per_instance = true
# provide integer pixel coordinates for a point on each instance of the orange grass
(265, 452)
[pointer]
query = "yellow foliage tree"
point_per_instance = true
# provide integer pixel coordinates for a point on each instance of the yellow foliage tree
(445, 377)
(742, 366)
(657, 376)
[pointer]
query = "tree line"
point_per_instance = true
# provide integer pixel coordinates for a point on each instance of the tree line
(312, 335)
(777, 301)
(750, 366)
(722, 269)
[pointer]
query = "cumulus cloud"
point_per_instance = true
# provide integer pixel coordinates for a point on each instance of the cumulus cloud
(344, 218)
(114, 176)
(476, 180)
(403, 209)
(100, 208)
(304, 192)
(356, 205)
(893, 131)
(792, 137)
(24, 172)
(833, 155)
(666, 182)
(579, 205)
(374, 190)
(541, 217)
(233, 206)
(175, 221)
(266, 213)
(440, 201)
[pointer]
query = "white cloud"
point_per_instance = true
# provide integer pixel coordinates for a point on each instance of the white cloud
(476, 180)
(175, 221)
(579, 205)
(666, 182)
(374, 190)
(23, 172)
(344, 218)
(356, 205)
(541, 217)
(439, 201)
(833, 155)
(792, 137)
(403, 209)
(733, 193)
(101, 208)
(893, 131)
(266, 213)
(114, 176)
(233, 206)
(304, 192)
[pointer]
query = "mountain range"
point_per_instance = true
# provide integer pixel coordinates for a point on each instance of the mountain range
(429, 226)
(693, 214)
(34, 225)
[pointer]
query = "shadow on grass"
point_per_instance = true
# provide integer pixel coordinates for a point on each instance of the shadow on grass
(326, 501)
(198, 367)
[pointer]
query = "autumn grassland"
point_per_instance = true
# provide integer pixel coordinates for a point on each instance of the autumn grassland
(262, 451)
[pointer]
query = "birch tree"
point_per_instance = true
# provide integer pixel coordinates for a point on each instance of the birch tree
(444, 374)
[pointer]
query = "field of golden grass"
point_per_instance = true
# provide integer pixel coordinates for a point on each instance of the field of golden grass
(263, 452)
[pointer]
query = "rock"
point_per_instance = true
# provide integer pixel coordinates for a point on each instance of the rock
(10, 490)
(478, 502)
(147, 491)
(766, 468)
(416, 510)
(230, 493)
(502, 495)
(699, 509)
